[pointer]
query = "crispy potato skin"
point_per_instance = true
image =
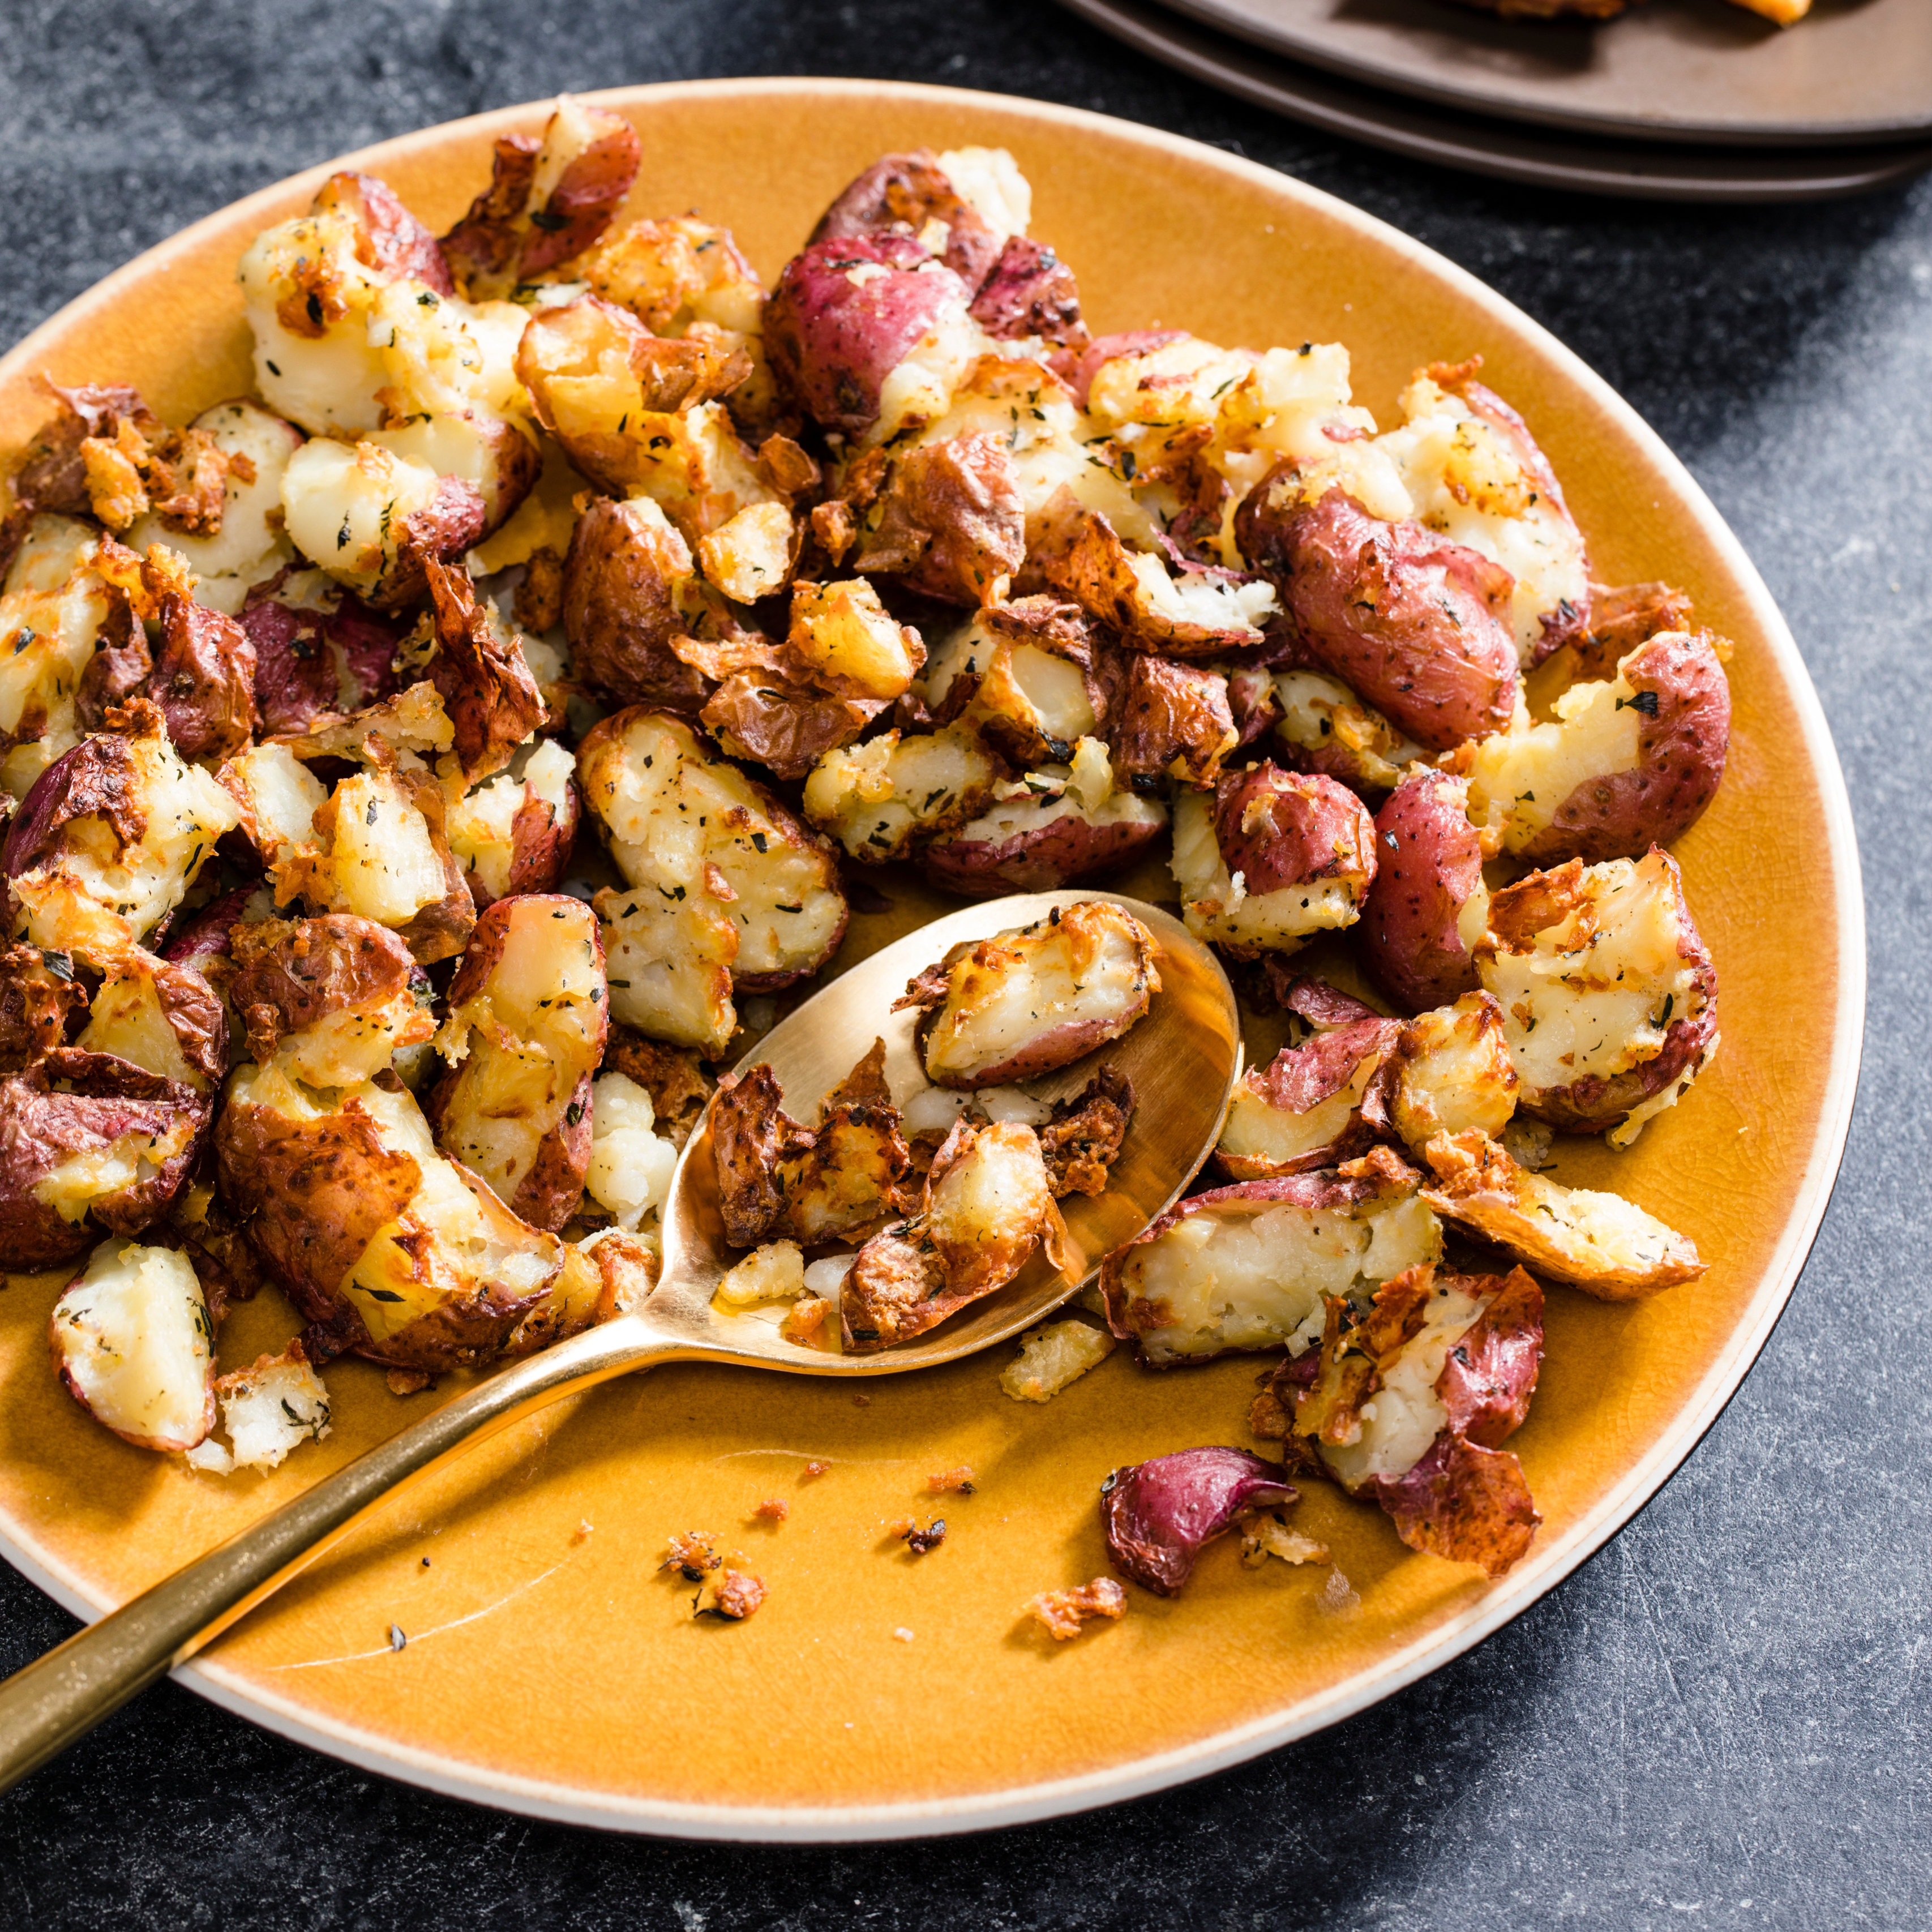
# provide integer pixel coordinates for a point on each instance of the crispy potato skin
(1166, 720)
(1280, 829)
(1064, 850)
(1299, 1079)
(621, 609)
(202, 681)
(1621, 619)
(396, 244)
(313, 660)
(1158, 1516)
(1416, 625)
(782, 726)
(1684, 700)
(833, 344)
(52, 475)
(491, 697)
(99, 778)
(1429, 865)
(288, 975)
(1031, 291)
(39, 998)
(897, 195)
(951, 521)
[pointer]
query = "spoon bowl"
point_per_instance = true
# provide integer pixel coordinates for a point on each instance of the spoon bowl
(1184, 1058)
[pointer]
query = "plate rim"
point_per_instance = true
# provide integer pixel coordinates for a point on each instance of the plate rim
(1504, 1600)
(1225, 16)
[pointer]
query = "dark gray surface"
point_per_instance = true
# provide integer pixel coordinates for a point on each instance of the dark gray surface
(1721, 1721)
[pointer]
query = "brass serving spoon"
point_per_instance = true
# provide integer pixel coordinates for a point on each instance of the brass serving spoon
(1184, 1059)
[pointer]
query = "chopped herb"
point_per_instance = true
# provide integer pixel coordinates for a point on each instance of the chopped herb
(1645, 701)
(272, 370)
(382, 1295)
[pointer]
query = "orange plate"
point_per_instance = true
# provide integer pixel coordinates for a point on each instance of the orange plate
(550, 1667)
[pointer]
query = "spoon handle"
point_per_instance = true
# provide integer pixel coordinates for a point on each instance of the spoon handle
(62, 1696)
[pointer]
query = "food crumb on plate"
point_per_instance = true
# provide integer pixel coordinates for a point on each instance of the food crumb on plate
(1263, 1535)
(904, 1635)
(1063, 1612)
(960, 1481)
(692, 1555)
(397, 1639)
(1053, 1355)
(773, 1509)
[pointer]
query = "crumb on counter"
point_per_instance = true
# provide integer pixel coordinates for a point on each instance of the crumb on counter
(1053, 1355)
(773, 1509)
(693, 1554)
(1063, 1612)
(1263, 1534)
(960, 1481)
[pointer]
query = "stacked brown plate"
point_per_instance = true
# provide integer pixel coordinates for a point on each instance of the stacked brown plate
(1675, 101)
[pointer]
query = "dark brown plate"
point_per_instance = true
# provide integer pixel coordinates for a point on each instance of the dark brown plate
(1584, 164)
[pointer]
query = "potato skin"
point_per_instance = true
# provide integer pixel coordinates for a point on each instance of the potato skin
(202, 681)
(951, 522)
(778, 724)
(1418, 626)
(832, 344)
(1031, 291)
(39, 996)
(1681, 746)
(305, 655)
(1167, 720)
(488, 692)
(288, 975)
(621, 609)
(1062, 850)
(398, 244)
(1299, 1079)
(897, 195)
(1429, 865)
(1280, 829)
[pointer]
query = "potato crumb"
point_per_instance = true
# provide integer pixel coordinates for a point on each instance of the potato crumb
(1063, 1612)
(1336, 1598)
(862, 1401)
(816, 1469)
(693, 1554)
(805, 1323)
(1527, 1143)
(1052, 1356)
(919, 1541)
(406, 1382)
(962, 1480)
(773, 1272)
(1263, 1536)
(775, 1509)
(1091, 1301)
(734, 1596)
(904, 1635)
(583, 1530)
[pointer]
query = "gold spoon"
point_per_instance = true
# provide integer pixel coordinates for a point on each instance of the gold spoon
(1184, 1059)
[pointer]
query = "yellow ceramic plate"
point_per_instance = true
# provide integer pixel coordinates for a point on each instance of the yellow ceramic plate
(550, 1667)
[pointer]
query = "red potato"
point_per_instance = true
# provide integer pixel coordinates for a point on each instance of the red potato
(1046, 836)
(202, 680)
(320, 650)
(1629, 762)
(513, 833)
(1031, 293)
(1022, 675)
(526, 1028)
(1025, 1002)
(394, 241)
(1321, 726)
(1271, 857)
(1247, 1267)
(784, 727)
(90, 1144)
(132, 1343)
(1168, 720)
(627, 599)
(951, 521)
(1106, 349)
(881, 798)
(331, 1000)
(39, 998)
(1312, 1106)
(163, 1018)
(53, 608)
(1159, 1516)
(489, 695)
(1417, 625)
(1609, 995)
(1451, 1073)
(547, 200)
(897, 195)
(1622, 618)
(204, 937)
(52, 476)
(1427, 906)
(850, 314)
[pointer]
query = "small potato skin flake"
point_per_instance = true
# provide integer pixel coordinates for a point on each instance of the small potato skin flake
(1062, 1612)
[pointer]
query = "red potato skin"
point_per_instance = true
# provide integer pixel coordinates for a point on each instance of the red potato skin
(1301, 1077)
(200, 941)
(1031, 291)
(39, 999)
(1490, 1375)
(488, 692)
(541, 838)
(98, 777)
(203, 681)
(771, 722)
(1079, 376)
(1681, 747)
(303, 657)
(1279, 829)
(1160, 712)
(304, 969)
(620, 612)
(396, 243)
(832, 345)
(1158, 1516)
(1463, 1502)
(1068, 851)
(1429, 863)
(897, 195)
(1417, 625)
(952, 520)
(53, 476)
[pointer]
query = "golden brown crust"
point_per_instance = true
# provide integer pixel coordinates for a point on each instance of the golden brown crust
(1167, 720)
(951, 521)
(39, 998)
(488, 693)
(288, 974)
(674, 1076)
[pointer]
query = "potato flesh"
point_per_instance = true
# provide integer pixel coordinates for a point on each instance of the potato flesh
(1239, 609)
(1455, 1073)
(266, 1411)
(773, 1272)
(466, 444)
(481, 826)
(50, 617)
(127, 1019)
(1090, 970)
(842, 632)
(279, 796)
(1031, 812)
(875, 798)
(749, 556)
(327, 382)
(1053, 1356)
(989, 181)
(1252, 1274)
(1519, 777)
(1464, 481)
(1322, 714)
(382, 862)
(1255, 1131)
(630, 1167)
(920, 386)
(230, 559)
(345, 507)
(1217, 907)
(354, 1044)
(670, 965)
(1404, 1414)
(1034, 689)
(133, 1339)
(1590, 997)
(996, 1193)
(93, 895)
(130, 1160)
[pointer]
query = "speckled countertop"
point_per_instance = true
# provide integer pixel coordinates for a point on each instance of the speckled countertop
(1724, 1719)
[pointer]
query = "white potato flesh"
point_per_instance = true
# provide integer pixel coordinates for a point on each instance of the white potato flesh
(466, 444)
(1255, 1131)
(231, 559)
(345, 505)
(842, 632)
(1038, 691)
(875, 798)
(1051, 1356)
(481, 826)
(127, 1019)
(129, 1160)
(443, 355)
(1284, 405)
(1465, 480)
(691, 462)
(93, 895)
(279, 797)
(670, 965)
(1217, 907)
(631, 1166)
(382, 862)
(1085, 977)
(773, 1272)
(921, 386)
(1454, 1072)
(1520, 777)
(676, 814)
(51, 612)
(1178, 384)
(1252, 1274)
(996, 1194)
(133, 1343)
(1030, 812)
(1321, 714)
(1239, 609)
(750, 556)
(1404, 1414)
(355, 1043)
(989, 181)
(267, 1410)
(1593, 993)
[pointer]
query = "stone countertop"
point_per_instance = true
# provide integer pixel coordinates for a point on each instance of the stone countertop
(1721, 1720)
